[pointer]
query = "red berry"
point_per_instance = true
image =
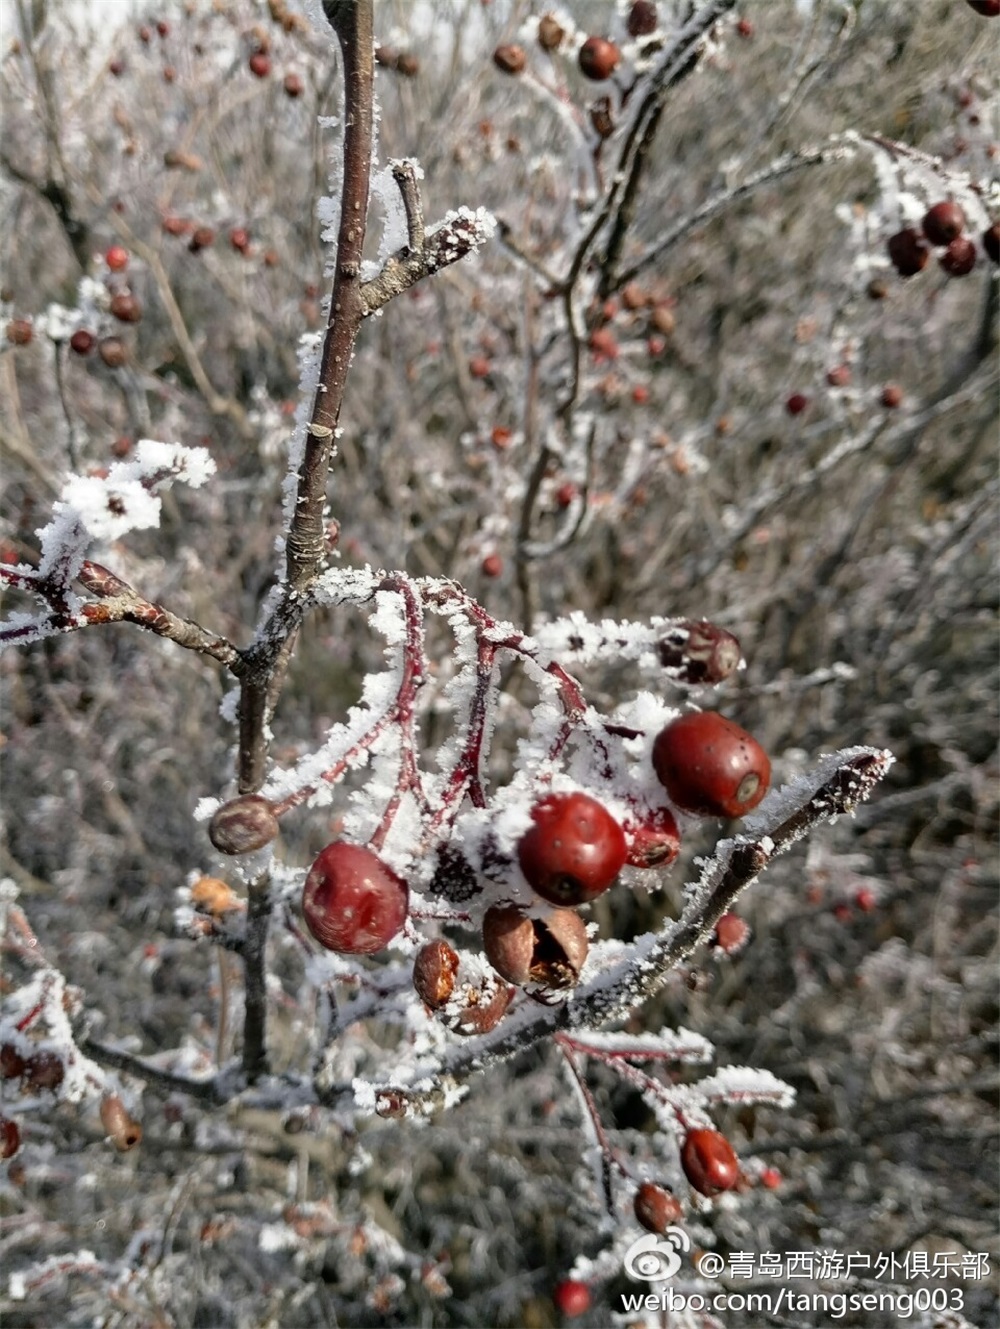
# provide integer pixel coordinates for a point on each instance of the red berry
(202, 237)
(796, 403)
(10, 1137)
(352, 901)
(653, 840)
(655, 1207)
(82, 341)
(19, 331)
(731, 934)
(598, 58)
(573, 851)
(479, 366)
(565, 494)
(243, 825)
(865, 899)
(959, 258)
(943, 223)
(641, 19)
(770, 1178)
(260, 64)
(745, 29)
(293, 85)
(710, 766)
(571, 1297)
(604, 344)
(144, 35)
(492, 565)
(709, 1162)
(125, 307)
(988, 8)
(116, 67)
(839, 376)
(510, 58)
(908, 252)
(991, 242)
(116, 258)
(892, 396)
(239, 238)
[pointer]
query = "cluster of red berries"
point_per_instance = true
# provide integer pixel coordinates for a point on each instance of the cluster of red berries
(942, 228)
(572, 852)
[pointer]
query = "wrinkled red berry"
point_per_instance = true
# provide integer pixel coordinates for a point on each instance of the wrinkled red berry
(352, 901)
(709, 1162)
(573, 851)
(653, 839)
(710, 766)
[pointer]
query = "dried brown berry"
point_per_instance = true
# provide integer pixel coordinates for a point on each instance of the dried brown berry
(476, 1008)
(434, 972)
(510, 58)
(124, 1130)
(125, 307)
(44, 1070)
(696, 651)
(112, 352)
(19, 331)
(550, 33)
(549, 951)
(656, 1207)
(641, 19)
(243, 825)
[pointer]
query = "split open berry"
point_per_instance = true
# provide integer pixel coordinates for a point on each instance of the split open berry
(709, 1162)
(549, 951)
(710, 766)
(598, 58)
(653, 839)
(655, 1207)
(943, 222)
(571, 1297)
(574, 849)
(696, 651)
(352, 901)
